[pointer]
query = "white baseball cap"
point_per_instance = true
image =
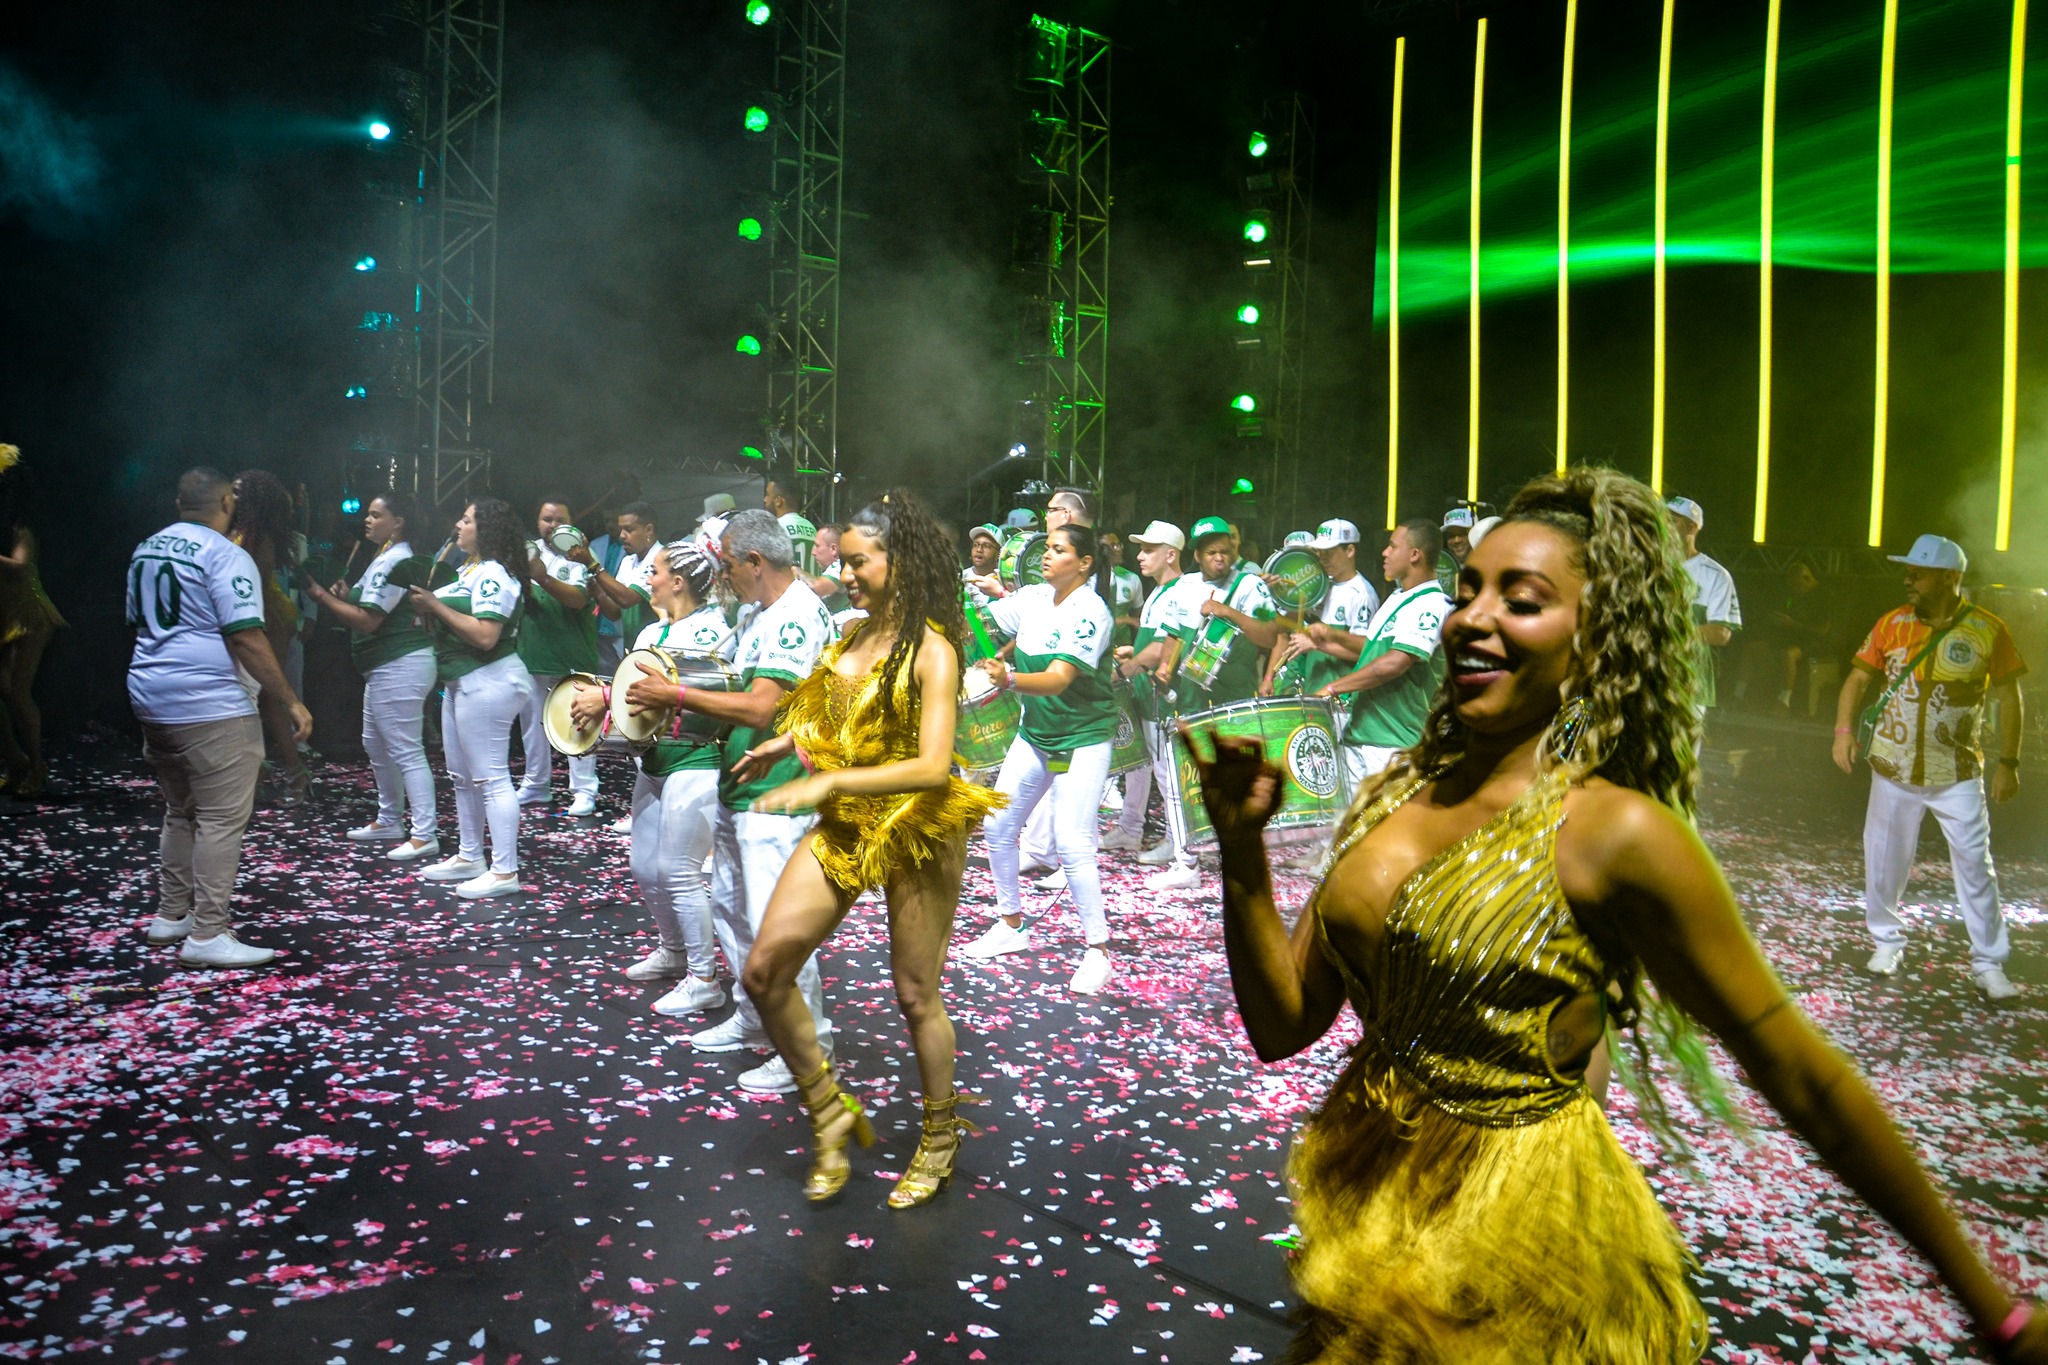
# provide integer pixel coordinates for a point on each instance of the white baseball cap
(1934, 552)
(1480, 529)
(719, 505)
(1457, 517)
(1333, 533)
(1687, 508)
(1298, 538)
(1161, 533)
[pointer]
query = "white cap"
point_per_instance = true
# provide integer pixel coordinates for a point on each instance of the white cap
(719, 504)
(1298, 538)
(1161, 533)
(1480, 529)
(1457, 517)
(1687, 508)
(1934, 552)
(1333, 533)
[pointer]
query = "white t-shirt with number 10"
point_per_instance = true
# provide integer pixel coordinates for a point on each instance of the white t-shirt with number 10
(189, 588)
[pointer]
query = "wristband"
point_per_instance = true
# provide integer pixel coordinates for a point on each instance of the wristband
(1009, 678)
(606, 690)
(2007, 1332)
(680, 689)
(1844, 730)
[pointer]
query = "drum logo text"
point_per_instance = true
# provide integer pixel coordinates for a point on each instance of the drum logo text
(1312, 758)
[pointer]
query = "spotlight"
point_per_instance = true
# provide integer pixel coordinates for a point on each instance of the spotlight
(351, 505)
(1242, 489)
(1257, 145)
(748, 345)
(1248, 314)
(1245, 402)
(356, 391)
(752, 453)
(366, 263)
(1018, 451)
(379, 130)
(759, 13)
(1255, 229)
(756, 119)
(750, 229)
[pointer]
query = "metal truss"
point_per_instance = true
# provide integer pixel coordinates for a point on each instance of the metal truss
(455, 245)
(807, 192)
(1065, 147)
(1276, 352)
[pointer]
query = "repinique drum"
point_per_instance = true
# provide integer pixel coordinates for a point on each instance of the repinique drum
(984, 636)
(989, 720)
(1127, 751)
(1297, 580)
(1299, 735)
(1205, 657)
(566, 538)
(564, 734)
(1018, 564)
(678, 670)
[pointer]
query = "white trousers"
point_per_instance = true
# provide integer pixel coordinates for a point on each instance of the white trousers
(1363, 762)
(1137, 793)
(478, 711)
(1159, 741)
(394, 710)
(750, 851)
(1076, 797)
(1891, 835)
(540, 755)
(1039, 847)
(674, 820)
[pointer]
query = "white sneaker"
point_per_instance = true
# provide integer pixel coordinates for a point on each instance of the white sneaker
(1885, 961)
(662, 962)
(162, 931)
(692, 995)
(1055, 880)
(455, 869)
(223, 950)
(770, 1078)
(730, 1036)
(487, 884)
(375, 833)
(412, 850)
(997, 939)
(584, 806)
(1092, 974)
(1159, 855)
(1179, 877)
(1997, 990)
(622, 825)
(1116, 841)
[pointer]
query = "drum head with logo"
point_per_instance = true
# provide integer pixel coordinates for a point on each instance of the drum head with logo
(1297, 580)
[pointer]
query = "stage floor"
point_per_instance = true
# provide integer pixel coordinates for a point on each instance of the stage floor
(451, 1131)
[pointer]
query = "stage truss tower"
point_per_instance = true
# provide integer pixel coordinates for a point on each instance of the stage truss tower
(455, 246)
(1064, 248)
(806, 208)
(1279, 192)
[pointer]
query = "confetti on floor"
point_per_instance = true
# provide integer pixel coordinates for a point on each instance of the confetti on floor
(451, 1131)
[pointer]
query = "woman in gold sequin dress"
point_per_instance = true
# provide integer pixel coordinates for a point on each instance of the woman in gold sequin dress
(874, 723)
(1506, 891)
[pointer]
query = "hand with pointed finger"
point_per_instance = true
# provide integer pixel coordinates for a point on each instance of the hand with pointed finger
(1240, 789)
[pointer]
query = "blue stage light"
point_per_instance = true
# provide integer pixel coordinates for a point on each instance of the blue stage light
(366, 263)
(379, 130)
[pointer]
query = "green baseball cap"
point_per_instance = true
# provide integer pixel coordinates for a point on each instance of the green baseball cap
(1207, 527)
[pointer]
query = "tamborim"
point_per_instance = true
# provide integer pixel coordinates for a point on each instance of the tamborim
(1299, 736)
(1127, 752)
(1204, 663)
(677, 669)
(564, 734)
(1018, 566)
(1297, 580)
(988, 722)
(566, 538)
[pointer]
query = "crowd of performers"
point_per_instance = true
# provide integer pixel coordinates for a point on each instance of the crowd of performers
(1510, 891)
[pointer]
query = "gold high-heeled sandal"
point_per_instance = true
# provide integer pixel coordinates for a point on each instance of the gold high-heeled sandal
(829, 1166)
(937, 1148)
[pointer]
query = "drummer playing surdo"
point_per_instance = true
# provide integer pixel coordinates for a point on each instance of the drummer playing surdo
(1400, 656)
(1144, 663)
(783, 628)
(1331, 642)
(557, 637)
(1063, 629)
(675, 795)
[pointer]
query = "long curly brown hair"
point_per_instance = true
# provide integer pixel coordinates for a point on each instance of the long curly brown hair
(265, 518)
(924, 581)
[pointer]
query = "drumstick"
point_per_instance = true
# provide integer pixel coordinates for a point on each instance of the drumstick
(349, 567)
(988, 649)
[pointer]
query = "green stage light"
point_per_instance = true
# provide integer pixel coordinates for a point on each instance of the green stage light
(752, 453)
(1257, 144)
(748, 345)
(758, 12)
(750, 228)
(1242, 489)
(756, 119)
(1245, 402)
(1248, 314)
(1255, 230)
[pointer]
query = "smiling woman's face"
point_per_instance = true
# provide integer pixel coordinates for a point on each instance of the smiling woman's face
(1508, 642)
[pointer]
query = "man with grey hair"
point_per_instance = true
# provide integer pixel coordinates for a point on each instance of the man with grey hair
(195, 605)
(783, 628)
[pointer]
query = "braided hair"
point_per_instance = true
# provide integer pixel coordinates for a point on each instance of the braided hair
(924, 581)
(698, 570)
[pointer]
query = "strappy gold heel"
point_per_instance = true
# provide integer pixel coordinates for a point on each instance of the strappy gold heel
(932, 1166)
(829, 1166)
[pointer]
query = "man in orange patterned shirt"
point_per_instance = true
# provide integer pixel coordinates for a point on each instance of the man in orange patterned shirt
(1926, 755)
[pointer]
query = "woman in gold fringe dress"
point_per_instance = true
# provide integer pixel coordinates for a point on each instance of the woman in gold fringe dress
(1510, 888)
(874, 723)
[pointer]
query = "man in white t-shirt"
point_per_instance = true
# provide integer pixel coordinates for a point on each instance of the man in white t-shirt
(195, 604)
(1400, 656)
(1716, 610)
(1164, 616)
(1347, 607)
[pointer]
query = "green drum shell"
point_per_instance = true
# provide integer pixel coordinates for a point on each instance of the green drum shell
(1127, 752)
(1205, 659)
(1302, 581)
(1018, 565)
(1299, 735)
(987, 725)
(995, 633)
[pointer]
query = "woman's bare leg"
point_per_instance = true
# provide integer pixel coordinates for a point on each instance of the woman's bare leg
(803, 911)
(277, 721)
(21, 723)
(922, 902)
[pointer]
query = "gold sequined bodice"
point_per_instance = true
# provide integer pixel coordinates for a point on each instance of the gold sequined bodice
(1479, 949)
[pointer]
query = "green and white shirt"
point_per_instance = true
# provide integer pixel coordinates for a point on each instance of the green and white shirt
(189, 588)
(804, 537)
(781, 641)
(1390, 716)
(1077, 630)
(382, 589)
(487, 591)
(556, 638)
(703, 631)
(634, 572)
(1128, 592)
(1349, 606)
(1238, 678)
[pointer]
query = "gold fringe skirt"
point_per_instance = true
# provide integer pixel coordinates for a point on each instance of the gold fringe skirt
(1426, 1240)
(861, 841)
